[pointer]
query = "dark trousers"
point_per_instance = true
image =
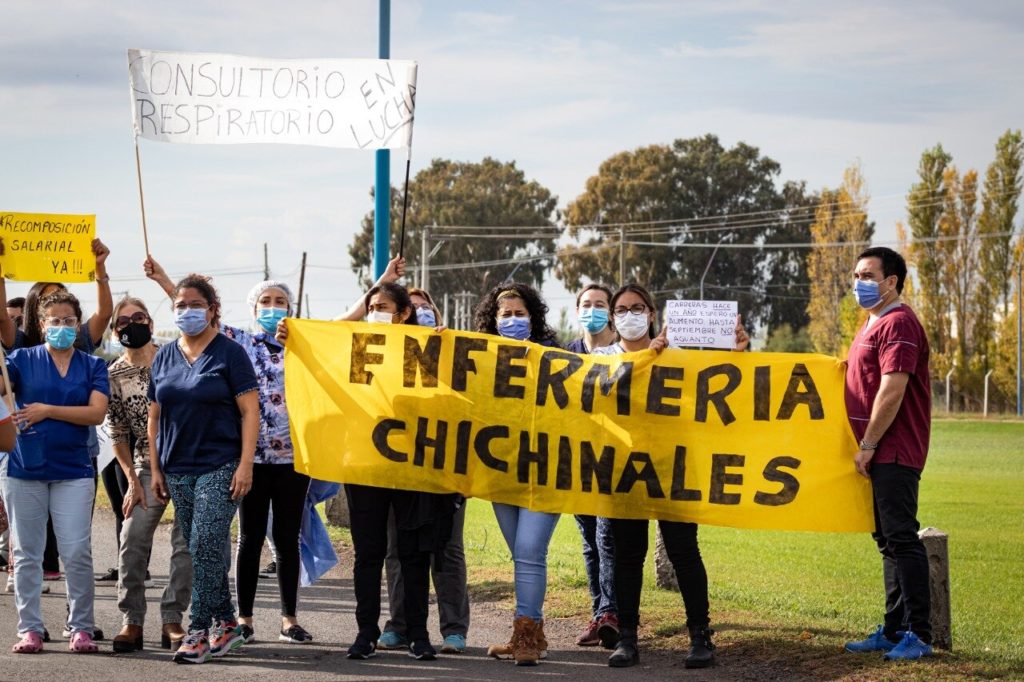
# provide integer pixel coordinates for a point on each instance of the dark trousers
(116, 485)
(631, 551)
(284, 488)
(368, 511)
(904, 560)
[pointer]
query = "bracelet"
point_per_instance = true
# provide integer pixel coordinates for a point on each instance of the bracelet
(103, 280)
(864, 445)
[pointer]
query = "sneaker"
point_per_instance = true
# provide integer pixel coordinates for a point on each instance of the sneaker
(51, 575)
(109, 577)
(390, 639)
(10, 583)
(269, 571)
(97, 633)
(453, 644)
(876, 641)
(296, 634)
(589, 635)
(910, 648)
(225, 636)
(362, 649)
(608, 630)
(248, 634)
(422, 651)
(148, 582)
(195, 648)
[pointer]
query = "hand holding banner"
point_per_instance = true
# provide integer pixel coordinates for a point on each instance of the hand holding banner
(228, 99)
(39, 247)
(750, 440)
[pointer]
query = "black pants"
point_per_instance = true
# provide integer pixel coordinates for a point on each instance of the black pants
(280, 486)
(631, 551)
(904, 560)
(368, 510)
(116, 485)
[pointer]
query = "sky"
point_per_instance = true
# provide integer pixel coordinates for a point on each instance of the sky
(556, 87)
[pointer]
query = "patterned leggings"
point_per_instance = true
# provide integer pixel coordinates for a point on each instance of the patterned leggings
(204, 509)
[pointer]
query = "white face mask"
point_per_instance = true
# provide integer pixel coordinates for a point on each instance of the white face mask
(380, 316)
(632, 326)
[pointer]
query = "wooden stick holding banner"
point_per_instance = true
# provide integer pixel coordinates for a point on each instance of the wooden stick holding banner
(142, 201)
(8, 390)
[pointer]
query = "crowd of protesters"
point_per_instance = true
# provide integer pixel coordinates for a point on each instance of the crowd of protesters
(202, 422)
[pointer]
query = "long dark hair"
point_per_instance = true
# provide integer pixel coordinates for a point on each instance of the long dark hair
(652, 330)
(486, 313)
(398, 294)
(33, 337)
(200, 283)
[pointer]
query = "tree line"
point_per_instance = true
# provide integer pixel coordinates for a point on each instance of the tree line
(696, 217)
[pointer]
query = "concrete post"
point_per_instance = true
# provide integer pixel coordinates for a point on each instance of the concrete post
(336, 510)
(936, 544)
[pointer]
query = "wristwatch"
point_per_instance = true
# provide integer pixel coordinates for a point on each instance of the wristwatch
(864, 445)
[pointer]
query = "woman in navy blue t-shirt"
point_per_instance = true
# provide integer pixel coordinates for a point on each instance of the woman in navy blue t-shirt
(60, 392)
(203, 425)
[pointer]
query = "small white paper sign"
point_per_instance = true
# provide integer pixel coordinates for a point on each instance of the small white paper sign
(701, 324)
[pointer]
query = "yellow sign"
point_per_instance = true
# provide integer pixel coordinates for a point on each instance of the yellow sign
(750, 440)
(40, 247)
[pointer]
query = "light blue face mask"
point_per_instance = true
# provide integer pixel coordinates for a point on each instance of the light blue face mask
(269, 317)
(425, 317)
(61, 338)
(191, 321)
(517, 328)
(866, 293)
(593, 319)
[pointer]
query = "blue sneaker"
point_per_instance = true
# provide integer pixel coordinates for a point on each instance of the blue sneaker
(876, 641)
(453, 644)
(910, 648)
(390, 639)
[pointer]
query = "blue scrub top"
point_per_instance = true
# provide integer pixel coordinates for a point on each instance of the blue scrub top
(200, 424)
(54, 450)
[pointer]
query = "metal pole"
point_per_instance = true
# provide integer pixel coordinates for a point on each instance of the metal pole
(708, 266)
(382, 184)
(622, 255)
(985, 409)
(266, 263)
(302, 284)
(424, 259)
(948, 375)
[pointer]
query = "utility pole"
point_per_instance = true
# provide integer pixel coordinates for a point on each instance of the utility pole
(622, 255)
(424, 259)
(308, 312)
(266, 263)
(302, 284)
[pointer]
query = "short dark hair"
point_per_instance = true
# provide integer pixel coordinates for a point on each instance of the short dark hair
(892, 263)
(398, 294)
(591, 287)
(17, 302)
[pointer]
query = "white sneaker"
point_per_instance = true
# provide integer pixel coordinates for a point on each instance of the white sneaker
(10, 583)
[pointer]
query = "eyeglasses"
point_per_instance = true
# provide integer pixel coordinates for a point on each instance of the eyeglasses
(636, 309)
(193, 305)
(70, 321)
(124, 320)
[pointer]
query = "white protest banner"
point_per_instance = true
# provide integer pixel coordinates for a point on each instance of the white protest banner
(203, 98)
(703, 324)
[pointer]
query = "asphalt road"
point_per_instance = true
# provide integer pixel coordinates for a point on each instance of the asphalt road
(326, 610)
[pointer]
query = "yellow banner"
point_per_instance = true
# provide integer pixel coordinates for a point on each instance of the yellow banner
(41, 247)
(750, 440)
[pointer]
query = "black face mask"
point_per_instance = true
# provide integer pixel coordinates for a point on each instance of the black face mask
(135, 335)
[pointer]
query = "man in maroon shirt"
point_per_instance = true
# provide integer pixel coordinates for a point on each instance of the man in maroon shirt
(888, 402)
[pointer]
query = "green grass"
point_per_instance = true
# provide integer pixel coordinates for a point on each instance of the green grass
(802, 594)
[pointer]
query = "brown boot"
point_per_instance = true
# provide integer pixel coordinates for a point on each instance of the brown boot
(128, 640)
(500, 650)
(171, 636)
(525, 641)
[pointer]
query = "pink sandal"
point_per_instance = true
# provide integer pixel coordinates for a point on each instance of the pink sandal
(31, 643)
(81, 643)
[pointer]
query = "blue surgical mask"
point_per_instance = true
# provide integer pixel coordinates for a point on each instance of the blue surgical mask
(191, 321)
(61, 338)
(514, 328)
(269, 317)
(425, 317)
(593, 319)
(866, 293)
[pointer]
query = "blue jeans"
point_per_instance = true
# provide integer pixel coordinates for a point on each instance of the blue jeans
(599, 558)
(204, 510)
(527, 534)
(29, 505)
